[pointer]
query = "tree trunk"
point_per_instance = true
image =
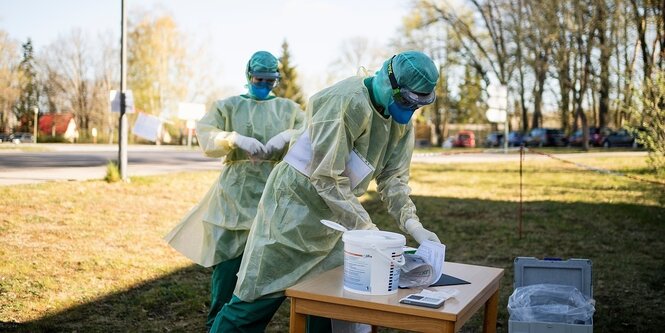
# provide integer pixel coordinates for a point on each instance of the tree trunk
(565, 87)
(605, 53)
(640, 24)
(541, 75)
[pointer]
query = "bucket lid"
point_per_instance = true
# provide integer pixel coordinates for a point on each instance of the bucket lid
(376, 237)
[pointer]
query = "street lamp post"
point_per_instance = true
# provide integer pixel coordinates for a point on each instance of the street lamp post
(36, 110)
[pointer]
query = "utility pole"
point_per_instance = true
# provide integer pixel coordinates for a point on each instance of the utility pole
(122, 133)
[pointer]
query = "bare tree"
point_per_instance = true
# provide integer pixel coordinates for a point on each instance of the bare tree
(539, 41)
(9, 79)
(516, 30)
(435, 38)
(106, 79)
(495, 50)
(69, 58)
(53, 90)
(640, 14)
(355, 53)
(605, 29)
(563, 56)
(585, 24)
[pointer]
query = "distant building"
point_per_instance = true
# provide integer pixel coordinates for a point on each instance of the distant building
(58, 124)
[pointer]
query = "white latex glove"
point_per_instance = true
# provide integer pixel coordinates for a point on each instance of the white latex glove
(419, 233)
(278, 141)
(250, 145)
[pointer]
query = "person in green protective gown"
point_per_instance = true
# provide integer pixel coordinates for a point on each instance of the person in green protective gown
(364, 119)
(251, 132)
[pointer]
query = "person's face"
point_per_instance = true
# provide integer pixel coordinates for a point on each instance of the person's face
(260, 82)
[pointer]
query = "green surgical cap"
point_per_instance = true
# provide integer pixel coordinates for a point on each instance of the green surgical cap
(415, 71)
(262, 61)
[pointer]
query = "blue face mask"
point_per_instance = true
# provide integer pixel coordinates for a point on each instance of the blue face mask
(260, 90)
(400, 114)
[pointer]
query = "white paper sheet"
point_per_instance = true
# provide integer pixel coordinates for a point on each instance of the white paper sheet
(435, 254)
(300, 154)
(357, 168)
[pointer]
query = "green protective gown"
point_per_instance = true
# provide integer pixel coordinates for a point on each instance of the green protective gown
(216, 229)
(287, 242)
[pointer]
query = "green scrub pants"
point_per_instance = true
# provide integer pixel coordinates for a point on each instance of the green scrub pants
(238, 316)
(224, 277)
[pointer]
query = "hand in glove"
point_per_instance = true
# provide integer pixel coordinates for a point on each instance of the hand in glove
(278, 141)
(419, 233)
(248, 144)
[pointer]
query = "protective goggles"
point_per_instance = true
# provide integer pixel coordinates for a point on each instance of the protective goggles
(265, 75)
(405, 97)
(264, 79)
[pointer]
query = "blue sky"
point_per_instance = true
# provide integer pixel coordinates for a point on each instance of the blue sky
(230, 30)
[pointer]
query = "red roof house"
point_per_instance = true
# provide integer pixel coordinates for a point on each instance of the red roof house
(54, 123)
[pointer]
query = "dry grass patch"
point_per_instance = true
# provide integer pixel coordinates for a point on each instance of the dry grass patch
(89, 256)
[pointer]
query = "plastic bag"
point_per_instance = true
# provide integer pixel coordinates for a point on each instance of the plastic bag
(416, 272)
(550, 303)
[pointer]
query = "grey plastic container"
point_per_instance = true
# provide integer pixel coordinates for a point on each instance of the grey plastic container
(572, 272)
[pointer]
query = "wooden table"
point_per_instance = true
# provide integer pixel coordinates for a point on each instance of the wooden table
(325, 296)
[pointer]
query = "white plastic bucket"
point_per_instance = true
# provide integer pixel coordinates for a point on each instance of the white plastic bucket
(372, 261)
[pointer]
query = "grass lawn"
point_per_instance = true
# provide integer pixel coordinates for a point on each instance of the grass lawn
(88, 256)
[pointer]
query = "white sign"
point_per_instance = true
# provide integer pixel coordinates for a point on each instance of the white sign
(498, 103)
(496, 116)
(191, 111)
(498, 97)
(191, 124)
(147, 127)
(114, 98)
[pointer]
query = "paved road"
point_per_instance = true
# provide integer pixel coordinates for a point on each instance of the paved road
(493, 156)
(63, 162)
(81, 162)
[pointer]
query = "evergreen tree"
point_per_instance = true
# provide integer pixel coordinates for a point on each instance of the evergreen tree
(288, 86)
(29, 96)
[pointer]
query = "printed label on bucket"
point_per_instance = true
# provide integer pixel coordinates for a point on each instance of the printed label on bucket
(394, 273)
(357, 272)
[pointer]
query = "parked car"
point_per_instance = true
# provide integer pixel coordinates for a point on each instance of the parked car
(515, 139)
(494, 139)
(4, 137)
(465, 139)
(448, 142)
(621, 138)
(597, 136)
(541, 137)
(20, 137)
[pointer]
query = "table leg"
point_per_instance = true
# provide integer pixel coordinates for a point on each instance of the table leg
(298, 321)
(491, 311)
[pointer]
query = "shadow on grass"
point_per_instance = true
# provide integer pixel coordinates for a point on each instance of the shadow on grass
(624, 241)
(176, 302)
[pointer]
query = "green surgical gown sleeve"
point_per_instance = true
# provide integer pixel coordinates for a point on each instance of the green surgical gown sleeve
(332, 132)
(393, 182)
(208, 128)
